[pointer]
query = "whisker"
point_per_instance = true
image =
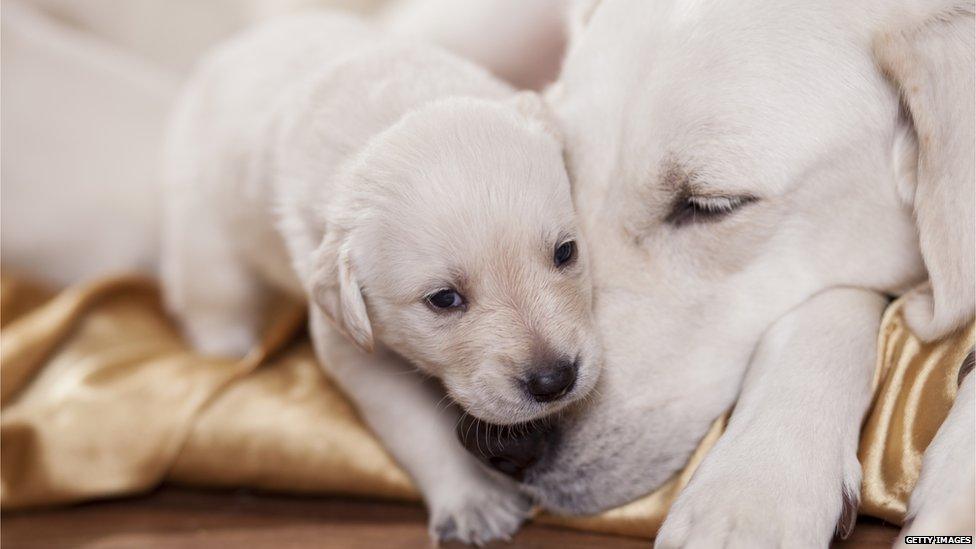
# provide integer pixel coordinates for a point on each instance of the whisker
(477, 437)
(468, 430)
(446, 405)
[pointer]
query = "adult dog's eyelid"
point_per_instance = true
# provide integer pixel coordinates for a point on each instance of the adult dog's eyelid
(689, 209)
(720, 204)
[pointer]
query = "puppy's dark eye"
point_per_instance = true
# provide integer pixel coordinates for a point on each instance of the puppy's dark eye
(565, 253)
(445, 300)
(703, 209)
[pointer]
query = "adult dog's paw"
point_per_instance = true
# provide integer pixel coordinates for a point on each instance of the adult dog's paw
(943, 499)
(478, 512)
(741, 501)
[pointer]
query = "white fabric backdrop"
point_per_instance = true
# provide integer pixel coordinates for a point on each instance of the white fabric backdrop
(87, 84)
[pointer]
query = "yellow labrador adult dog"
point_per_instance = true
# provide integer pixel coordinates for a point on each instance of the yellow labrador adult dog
(424, 210)
(754, 177)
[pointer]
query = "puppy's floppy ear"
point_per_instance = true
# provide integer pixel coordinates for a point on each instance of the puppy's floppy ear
(532, 106)
(927, 51)
(336, 291)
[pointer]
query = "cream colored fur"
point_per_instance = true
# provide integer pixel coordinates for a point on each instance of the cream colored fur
(836, 141)
(314, 156)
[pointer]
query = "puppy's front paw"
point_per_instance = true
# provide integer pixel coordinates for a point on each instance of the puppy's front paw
(478, 512)
(742, 501)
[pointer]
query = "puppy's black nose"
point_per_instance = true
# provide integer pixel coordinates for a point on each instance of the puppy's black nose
(551, 382)
(509, 449)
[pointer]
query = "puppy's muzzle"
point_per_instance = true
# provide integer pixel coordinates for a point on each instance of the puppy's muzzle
(552, 381)
(509, 449)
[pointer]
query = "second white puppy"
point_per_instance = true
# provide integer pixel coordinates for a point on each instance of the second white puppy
(424, 210)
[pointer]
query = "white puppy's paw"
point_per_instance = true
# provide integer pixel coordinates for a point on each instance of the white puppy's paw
(232, 340)
(751, 502)
(478, 512)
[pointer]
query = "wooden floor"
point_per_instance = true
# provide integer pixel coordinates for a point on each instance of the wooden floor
(174, 517)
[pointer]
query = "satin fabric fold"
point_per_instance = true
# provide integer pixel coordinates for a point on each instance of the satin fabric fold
(915, 386)
(101, 398)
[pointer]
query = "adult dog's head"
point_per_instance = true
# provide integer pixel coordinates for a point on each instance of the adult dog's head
(730, 160)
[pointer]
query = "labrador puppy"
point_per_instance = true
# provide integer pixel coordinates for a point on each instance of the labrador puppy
(422, 208)
(754, 178)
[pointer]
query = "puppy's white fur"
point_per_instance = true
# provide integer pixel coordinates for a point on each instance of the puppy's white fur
(314, 156)
(807, 114)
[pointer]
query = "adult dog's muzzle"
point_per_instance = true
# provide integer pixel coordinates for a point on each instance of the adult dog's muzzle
(509, 449)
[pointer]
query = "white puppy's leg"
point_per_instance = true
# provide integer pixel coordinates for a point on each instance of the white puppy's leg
(785, 473)
(942, 503)
(216, 297)
(465, 502)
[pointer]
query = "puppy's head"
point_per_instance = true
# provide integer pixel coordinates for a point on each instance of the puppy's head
(458, 248)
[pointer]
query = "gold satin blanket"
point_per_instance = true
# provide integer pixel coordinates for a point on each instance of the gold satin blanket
(101, 398)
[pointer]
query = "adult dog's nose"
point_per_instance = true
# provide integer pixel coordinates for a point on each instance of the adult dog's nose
(552, 381)
(509, 449)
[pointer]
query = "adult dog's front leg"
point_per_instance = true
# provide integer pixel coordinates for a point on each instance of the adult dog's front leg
(464, 500)
(942, 502)
(785, 473)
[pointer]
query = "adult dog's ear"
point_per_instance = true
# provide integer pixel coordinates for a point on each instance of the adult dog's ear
(927, 51)
(336, 291)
